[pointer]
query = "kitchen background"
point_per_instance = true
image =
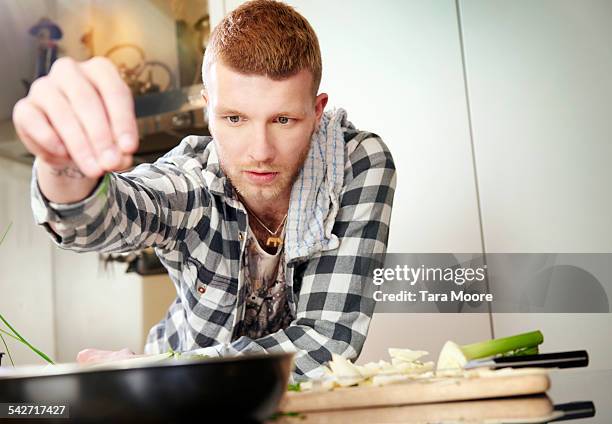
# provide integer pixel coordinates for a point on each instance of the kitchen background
(497, 114)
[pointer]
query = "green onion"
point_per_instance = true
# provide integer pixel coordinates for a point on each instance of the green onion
(278, 415)
(523, 351)
(294, 387)
(513, 345)
(6, 333)
(15, 334)
(454, 357)
(18, 336)
(2, 337)
(6, 232)
(7, 349)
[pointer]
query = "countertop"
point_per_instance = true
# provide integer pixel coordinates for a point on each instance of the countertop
(568, 386)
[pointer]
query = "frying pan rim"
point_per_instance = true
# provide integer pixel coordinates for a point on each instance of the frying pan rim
(38, 371)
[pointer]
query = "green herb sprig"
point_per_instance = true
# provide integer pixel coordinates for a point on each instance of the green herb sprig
(19, 338)
(14, 333)
(294, 387)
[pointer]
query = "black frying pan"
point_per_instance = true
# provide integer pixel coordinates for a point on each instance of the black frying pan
(239, 389)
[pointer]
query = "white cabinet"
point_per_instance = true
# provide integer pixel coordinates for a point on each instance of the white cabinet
(104, 308)
(540, 96)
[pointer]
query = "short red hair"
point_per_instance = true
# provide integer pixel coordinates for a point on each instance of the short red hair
(265, 37)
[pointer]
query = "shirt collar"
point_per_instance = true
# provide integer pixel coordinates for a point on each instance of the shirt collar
(217, 182)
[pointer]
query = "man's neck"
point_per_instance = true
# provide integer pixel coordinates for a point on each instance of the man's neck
(271, 212)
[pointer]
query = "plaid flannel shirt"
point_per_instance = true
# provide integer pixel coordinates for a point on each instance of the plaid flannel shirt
(185, 207)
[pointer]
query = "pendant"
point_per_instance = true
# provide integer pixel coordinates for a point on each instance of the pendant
(274, 241)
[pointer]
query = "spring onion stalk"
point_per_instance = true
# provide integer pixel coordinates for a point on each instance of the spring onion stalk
(7, 349)
(1, 336)
(503, 345)
(6, 333)
(6, 232)
(454, 357)
(294, 387)
(25, 342)
(15, 334)
(525, 351)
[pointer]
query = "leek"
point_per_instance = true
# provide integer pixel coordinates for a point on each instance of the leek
(512, 345)
(454, 357)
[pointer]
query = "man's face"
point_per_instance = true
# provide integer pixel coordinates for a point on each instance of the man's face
(262, 128)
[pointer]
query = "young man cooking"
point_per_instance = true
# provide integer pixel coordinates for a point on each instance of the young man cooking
(269, 229)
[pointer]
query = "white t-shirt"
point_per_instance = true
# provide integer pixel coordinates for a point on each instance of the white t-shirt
(266, 309)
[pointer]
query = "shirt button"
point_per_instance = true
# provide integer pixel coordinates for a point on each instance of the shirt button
(240, 236)
(202, 289)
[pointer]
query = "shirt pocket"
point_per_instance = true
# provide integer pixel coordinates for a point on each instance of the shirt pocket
(207, 288)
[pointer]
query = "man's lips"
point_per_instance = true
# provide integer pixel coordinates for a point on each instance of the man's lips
(261, 177)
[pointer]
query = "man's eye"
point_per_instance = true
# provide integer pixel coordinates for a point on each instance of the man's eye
(283, 120)
(234, 119)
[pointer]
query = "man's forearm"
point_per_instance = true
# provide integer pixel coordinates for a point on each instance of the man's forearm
(63, 184)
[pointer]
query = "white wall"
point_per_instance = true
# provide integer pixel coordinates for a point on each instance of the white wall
(17, 48)
(95, 307)
(541, 95)
(26, 286)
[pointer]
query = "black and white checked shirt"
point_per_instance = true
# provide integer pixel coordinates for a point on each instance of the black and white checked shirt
(185, 207)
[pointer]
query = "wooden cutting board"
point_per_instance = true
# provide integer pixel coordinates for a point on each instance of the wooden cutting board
(488, 384)
(531, 409)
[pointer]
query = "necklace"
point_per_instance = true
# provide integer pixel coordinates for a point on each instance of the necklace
(273, 239)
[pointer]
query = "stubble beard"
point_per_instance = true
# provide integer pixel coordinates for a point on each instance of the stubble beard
(255, 193)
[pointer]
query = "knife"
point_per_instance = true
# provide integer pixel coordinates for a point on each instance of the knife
(575, 410)
(571, 359)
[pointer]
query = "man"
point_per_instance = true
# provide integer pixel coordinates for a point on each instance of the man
(269, 229)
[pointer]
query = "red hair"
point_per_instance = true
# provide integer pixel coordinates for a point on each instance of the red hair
(265, 37)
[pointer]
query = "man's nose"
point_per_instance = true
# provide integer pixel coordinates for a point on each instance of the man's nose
(261, 148)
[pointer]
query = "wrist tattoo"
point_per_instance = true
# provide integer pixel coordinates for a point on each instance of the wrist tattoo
(68, 172)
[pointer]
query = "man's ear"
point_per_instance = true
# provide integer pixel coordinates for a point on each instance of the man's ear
(320, 103)
(204, 96)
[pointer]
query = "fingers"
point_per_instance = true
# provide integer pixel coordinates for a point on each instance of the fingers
(88, 109)
(88, 355)
(84, 355)
(48, 98)
(97, 355)
(80, 112)
(39, 137)
(117, 100)
(126, 162)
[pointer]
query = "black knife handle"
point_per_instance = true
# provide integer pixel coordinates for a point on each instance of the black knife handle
(571, 359)
(575, 410)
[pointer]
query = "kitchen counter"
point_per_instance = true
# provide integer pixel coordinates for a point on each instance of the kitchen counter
(568, 387)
